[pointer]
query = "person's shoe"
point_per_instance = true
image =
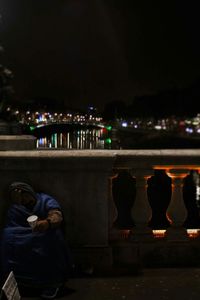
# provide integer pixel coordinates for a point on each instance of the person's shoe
(50, 293)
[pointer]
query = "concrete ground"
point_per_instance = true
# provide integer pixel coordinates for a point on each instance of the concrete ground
(150, 284)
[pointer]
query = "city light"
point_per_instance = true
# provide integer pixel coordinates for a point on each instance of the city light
(108, 128)
(124, 124)
(178, 126)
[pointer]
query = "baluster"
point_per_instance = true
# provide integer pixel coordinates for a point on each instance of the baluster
(123, 197)
(190, 198)
(176, 210)
(159, 193)
(141, 210)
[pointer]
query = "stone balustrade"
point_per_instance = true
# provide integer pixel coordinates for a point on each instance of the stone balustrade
(81, 181)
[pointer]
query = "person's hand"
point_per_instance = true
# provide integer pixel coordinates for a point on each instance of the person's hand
(41, 226)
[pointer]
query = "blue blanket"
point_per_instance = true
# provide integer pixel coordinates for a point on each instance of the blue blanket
(35, 258)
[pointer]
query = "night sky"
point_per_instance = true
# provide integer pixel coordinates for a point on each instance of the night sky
(91, 52)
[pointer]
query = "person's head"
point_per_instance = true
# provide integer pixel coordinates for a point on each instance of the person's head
(23, 194)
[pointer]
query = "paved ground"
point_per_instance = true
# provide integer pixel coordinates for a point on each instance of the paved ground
(151, 284)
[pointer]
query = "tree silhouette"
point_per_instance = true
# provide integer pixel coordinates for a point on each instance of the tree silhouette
(114, 110)
(6, 89)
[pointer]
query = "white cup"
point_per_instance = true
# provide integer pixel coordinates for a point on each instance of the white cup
(32, 220)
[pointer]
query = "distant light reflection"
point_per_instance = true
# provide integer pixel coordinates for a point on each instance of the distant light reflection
(82, 139)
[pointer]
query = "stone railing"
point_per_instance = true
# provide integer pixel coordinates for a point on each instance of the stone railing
(81, 181)
(177, 164)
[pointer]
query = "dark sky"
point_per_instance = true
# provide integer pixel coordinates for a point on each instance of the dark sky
(83, 51)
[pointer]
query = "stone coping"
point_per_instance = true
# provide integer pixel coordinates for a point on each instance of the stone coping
(102, 153)
(120, 159)
(16, 137)
(17, 142)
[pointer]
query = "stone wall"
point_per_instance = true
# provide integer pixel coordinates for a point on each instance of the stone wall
(80, 180)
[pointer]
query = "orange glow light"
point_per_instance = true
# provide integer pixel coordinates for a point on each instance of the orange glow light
(167, 168)
(193, 233)
(159, 233)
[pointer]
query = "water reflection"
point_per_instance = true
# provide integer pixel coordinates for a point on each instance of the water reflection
(82, 139)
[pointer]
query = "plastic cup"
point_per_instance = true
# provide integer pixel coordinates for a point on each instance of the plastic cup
(32, 220)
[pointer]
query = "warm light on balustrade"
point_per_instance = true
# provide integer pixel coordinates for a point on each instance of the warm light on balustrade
(193, 233)
(176, 210)
(178, 173)
(159, 233)
(176, 213)
(167, 168)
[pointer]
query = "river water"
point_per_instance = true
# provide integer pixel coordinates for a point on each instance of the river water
(104, 139)
(82, 139)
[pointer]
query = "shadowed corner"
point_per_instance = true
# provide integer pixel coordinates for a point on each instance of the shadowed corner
(30, 292)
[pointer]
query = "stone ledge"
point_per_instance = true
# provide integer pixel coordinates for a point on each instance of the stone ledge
(17, 142)
(126, 155)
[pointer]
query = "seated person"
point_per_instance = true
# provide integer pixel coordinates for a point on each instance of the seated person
(38, 257)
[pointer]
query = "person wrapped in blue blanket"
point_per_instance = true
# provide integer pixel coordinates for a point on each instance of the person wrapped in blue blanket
(38, 257)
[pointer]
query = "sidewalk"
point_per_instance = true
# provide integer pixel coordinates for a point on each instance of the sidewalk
(151, 284)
